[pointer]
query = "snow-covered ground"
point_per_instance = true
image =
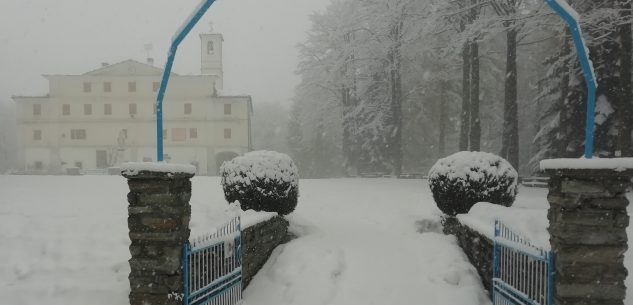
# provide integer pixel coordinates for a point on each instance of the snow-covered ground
(63, 240)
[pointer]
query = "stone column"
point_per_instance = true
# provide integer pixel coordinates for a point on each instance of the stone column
(158, 220)
(587, 226)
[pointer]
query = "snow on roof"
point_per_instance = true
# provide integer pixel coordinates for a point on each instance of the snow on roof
(616, 164)
(161, 167)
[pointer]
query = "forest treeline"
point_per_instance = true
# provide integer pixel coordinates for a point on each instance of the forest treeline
(393, 85)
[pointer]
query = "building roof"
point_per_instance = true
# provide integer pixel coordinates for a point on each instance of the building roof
(124, 68)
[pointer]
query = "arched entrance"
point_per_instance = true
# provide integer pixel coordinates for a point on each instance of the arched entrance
(223, 157)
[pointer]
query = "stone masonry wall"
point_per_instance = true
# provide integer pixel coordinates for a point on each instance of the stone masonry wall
(259, 241)
(477, 247)
(588, 221)
(158, 221)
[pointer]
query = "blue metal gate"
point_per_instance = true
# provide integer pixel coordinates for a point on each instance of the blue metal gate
(213, 267)
(522, 273)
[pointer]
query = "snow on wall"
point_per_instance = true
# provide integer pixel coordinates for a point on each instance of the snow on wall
(161, 167)
(617, 164)
(473, 166)
(262, 165)
(530, 223)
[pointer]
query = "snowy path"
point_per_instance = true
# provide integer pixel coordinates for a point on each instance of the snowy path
(358, 245)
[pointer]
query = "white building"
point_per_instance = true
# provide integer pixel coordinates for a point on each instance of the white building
(105, 117)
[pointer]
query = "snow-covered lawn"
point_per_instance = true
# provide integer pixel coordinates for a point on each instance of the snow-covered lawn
(63, 240)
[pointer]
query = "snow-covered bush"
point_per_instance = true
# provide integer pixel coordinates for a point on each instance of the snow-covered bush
(262, 181)
(463, 179)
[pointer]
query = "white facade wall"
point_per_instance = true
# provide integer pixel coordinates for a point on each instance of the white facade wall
(56, 148)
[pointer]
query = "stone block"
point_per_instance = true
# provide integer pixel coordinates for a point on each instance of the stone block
(569, 234)
(153, 299)
(590, 254)
(585, 301)
(175, 237)
(590, 217)
(608, 273)
(141, 210)
(153, 186)
(161, 265)
(577, 186)
(594, 291)
(160, 223)
(150, 199)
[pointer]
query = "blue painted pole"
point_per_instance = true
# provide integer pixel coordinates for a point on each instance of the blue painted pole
(178, 38)
(587, 69)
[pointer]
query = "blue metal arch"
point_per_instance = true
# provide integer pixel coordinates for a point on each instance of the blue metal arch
(571, 17)
(202, 8)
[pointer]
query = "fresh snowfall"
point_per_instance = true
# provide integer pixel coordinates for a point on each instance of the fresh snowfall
(359, 241)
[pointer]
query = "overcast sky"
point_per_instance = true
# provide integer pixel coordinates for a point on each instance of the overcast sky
(74, 36)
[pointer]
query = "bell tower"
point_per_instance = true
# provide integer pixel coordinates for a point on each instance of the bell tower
(211, 51)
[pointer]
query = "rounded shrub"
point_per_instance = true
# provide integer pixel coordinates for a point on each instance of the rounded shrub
(463, 179)
(262, 181)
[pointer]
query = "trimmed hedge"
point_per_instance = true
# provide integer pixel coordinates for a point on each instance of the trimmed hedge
(463, 179)
(262, 181)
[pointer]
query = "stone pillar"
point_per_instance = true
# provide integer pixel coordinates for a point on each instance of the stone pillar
(158, 220)
(587, 226)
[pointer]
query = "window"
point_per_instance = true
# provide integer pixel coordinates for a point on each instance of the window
(210, 48)
(227, 109)
(178, 134)
(227, 133)
(66, 109)
(87, 109)
(37, 135)
(193, 133)
(164, 133)
(37, 109)
(187, 108)
(131, 87)
(39, 165)
(154, 106)
(132, 109)
(79, 164)
(78, 134)
(147, 159)
(107, 87)
(87, 87)
(155, 86)
(107, 109)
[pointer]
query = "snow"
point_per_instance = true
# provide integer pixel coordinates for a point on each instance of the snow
(160, 167)
(569, 10)
(617, 164)
(359, 244)
(251, 218)
(65, 240)
(360, 241)
(603, 110)
(260, 165)
(530, 223)
(474, 166)
(189, 19)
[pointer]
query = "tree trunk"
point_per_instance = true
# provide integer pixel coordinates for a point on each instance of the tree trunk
(510, 139)
(396, 101)
(563, 124)
(443, 118)
(347, 135)
(625, 111)
(465, 117)
(475, 124)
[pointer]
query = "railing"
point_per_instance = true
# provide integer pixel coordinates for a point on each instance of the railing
(522, 273)
(213, 267)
